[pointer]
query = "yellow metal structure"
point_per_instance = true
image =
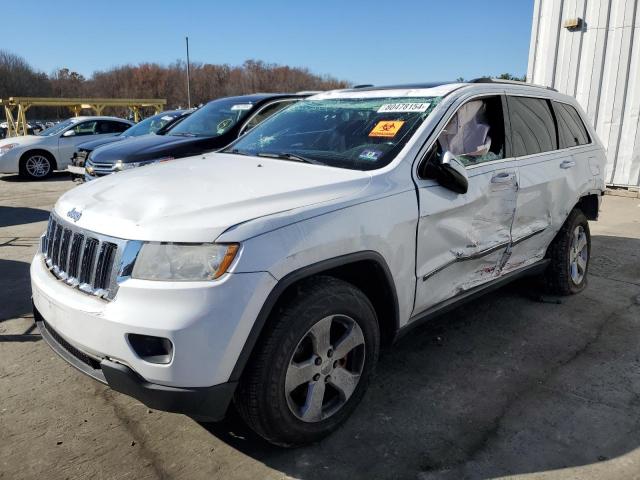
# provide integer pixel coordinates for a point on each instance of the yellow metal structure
(17, 125)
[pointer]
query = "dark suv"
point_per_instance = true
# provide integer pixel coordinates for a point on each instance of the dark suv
(156, 124)
(210, 128)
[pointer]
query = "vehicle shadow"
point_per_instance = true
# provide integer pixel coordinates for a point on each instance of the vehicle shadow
(61, 176)
(515, 382)
(15, 289)
(10, 216)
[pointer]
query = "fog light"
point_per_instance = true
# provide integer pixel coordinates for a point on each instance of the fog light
(151, 349)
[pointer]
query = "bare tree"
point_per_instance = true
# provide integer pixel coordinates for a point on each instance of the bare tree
(151, 80)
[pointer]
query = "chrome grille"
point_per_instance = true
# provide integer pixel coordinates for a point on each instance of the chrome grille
(74, 255)
(83, 259)
(100, 168)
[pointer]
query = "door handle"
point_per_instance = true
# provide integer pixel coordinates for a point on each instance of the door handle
(568, 164)
(503, 177)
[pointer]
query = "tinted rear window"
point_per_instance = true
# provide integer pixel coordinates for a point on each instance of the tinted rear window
(532, 126)
(571, 129)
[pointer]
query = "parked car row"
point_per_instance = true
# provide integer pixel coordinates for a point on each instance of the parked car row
(270, 273)
(33, 127)
(209, 128)
(66, 145)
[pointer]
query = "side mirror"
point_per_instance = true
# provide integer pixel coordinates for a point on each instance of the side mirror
(453, 175)
(69, 133)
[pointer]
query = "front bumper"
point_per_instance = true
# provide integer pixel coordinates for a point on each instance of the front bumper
(76, 170)
(208, 323)
(208, 403)
(9, 161)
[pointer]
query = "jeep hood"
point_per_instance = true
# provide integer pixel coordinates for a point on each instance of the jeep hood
(195, 199)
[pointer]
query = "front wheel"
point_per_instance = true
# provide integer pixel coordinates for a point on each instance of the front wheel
(313, 366)
(36, 166)
(569, 254)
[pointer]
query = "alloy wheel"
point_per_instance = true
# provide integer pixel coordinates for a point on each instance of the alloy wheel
(38, 166)
(578, 255)
(325, 368)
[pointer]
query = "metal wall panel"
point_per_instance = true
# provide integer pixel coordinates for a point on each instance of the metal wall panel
(600, 66)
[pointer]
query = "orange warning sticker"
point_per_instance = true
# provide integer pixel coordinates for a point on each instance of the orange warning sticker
(386, 128)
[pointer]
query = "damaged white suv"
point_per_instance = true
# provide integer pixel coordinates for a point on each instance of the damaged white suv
(269, 275)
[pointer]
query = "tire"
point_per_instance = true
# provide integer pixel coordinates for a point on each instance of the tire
(268, 399)
(569, 253)
(36, 165)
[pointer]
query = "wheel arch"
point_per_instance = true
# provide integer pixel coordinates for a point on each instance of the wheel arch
(42, 151)
(589, 205)
(366, 270)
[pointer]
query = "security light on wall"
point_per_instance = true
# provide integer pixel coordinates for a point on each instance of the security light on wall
(573, 24)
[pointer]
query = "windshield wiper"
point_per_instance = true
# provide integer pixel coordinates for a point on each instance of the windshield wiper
(185, 134)
(236, 151)
(289, 156)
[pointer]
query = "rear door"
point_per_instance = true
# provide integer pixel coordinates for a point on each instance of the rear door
(573, 135)
(550, 179)
(462, 238)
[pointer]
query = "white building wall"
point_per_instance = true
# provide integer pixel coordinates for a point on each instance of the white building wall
(600, 66)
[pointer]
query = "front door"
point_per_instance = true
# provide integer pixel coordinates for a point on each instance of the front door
(84, 132)
(463, 238)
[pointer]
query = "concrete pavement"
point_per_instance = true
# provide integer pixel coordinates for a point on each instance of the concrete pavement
(511, 384)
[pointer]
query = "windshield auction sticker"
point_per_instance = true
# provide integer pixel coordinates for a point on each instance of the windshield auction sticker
(386, 128)
(404, 107)
(242, 106)
(370, 155)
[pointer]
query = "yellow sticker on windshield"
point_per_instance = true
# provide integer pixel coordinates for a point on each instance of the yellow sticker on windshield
(386, 128)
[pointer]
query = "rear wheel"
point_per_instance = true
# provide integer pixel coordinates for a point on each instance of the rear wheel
(36, 166)
(569, 254)
(313, 366)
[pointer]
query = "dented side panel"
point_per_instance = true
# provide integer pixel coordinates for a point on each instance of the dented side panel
(462, 239)
(550, 186)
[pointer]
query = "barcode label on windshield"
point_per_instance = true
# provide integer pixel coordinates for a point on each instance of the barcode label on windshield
(403, 107)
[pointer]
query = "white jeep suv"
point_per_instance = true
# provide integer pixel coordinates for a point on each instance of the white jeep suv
(270, 274)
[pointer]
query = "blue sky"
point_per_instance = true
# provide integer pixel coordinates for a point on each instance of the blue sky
(361, 41)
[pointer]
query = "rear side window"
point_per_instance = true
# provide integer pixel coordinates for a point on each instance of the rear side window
(107, 126)
(571, 129)
(533, 128)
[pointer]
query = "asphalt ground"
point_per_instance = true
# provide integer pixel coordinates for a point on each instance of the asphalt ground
(514, 383)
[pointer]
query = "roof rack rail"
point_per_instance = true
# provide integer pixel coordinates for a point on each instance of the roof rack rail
(509, 82)
(406, 86)
(364, 85)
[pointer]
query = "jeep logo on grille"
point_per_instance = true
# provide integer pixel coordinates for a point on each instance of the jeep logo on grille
(74, 215)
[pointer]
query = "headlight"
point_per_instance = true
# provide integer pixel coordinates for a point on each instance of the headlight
(183, 262)
(120, 165)
(5, 148)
